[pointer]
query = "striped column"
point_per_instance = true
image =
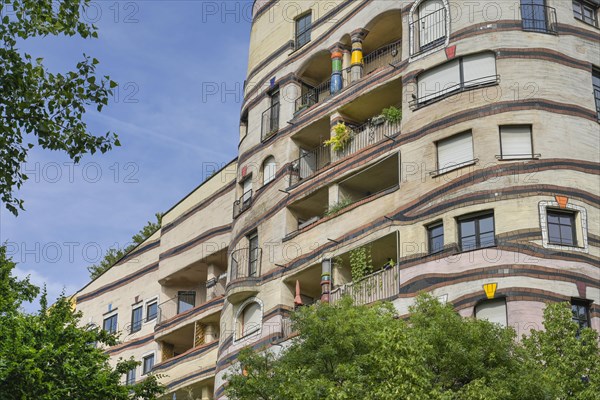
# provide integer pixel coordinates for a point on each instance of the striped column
(336, 69)
(357, 66)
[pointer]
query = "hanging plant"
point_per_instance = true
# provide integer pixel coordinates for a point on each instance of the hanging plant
(392, 114)
(361, 263)
(340, 138)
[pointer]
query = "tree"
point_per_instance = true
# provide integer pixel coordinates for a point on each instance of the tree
(358, 352)
(48, 356)
(113, 255)
(38, 107)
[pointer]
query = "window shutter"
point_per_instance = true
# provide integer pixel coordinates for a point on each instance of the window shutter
(438, 81)
(251, 318)
(493, 311)
(516, 142)
(455, 150)
(269, 170)
(479, 68)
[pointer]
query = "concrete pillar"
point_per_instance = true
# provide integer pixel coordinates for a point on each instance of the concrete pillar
(210, 333)
(206, 393)
(346, 64)
(336, 68)
(357, 66)
(334, 194)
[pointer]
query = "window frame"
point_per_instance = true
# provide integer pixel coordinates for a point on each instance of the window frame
(136, 307)
(148, 303)
(416, 50)
(581, 303)
(476, 217)
(442, 170)
(130, 380)
(498, 299)
(503, 157)
(264, 169)
(596, 89)
(306, 32)
(430, 227)
(116, 324)
(251, 237)
(582, 6)
(148, 357)
(186, 293)
(573, 225)
(238, 321)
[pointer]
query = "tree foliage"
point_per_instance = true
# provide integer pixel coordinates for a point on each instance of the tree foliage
(48, 356)
(358, 352)
(39, 107)
(113, 255)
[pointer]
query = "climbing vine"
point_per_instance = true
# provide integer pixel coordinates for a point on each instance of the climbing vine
(361, 263)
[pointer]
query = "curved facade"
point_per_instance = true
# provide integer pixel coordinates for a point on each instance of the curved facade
(453, 145)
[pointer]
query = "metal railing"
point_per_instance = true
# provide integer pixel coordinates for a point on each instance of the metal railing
(242, 204)
(365, 135)
(428, 32)
(171, 307)
(597, 99)
(539, 18)
(270, 121)
(376, 59)
(245, 263)
(451, 89)
(380, 285)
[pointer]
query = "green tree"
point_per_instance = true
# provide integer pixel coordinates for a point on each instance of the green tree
(39, 107)
(48, 356)
(113, 255)
(358, 352)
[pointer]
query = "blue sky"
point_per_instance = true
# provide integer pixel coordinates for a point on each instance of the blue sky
(167, 56)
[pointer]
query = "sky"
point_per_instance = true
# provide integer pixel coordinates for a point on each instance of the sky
(181, 67)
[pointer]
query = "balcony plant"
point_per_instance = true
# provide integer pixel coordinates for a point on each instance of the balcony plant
(337, 207)
(392, 114)
(340, 138)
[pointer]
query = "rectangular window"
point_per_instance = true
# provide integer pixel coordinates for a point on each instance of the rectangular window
(581, 313)
(537, 17)
(130, 377)
(561, 228)
(253, 255)
(110, 324)
(303, 29)
(136, 319)
(585, 12)
(247, 190)
(151, 311)
(596, 88)
(515, 142)
(476, 232)
(457, 75)
(435, 237)
(454, 152)
(186, 300)
(270, 118)
(431, 24)
(493, 311)
(148, 364)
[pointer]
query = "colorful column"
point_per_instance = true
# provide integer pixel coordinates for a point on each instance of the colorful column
(336, 69)
(325, 280)
(356, 70)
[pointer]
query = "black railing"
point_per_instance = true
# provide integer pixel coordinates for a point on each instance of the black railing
(311, 162)
(172, 307)
(242, 204)
(539, 18)
(597, 99)
(453, 88)
(378, 58)
(270, 121)
(428, 32)
(245, 263)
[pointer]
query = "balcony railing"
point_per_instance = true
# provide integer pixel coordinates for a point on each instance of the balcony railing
(270, 122)
(381, 57)
(381, 285)
(539, 18)
(363, 136)
(428, 31)
(245, 263)
(183, 303)
(242, 204)
(452, 89)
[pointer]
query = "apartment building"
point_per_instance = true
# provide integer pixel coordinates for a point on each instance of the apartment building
(455, 143)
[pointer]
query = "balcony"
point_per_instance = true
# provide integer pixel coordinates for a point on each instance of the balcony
(375, 60)
(539, 18)
(242, 204)
(245, 263)
(308, 210)
(428, 32)
(381, 285)
(270, 122)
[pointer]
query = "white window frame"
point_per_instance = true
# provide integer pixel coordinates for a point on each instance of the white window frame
(444, 169)
(524, 156)
(146, 303)
(144, 356)
(110, 314)
(237, 332)
(411, 19)
(581, 231)
(266, 166)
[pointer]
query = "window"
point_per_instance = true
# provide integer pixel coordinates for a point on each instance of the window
(130, 377)
(596, 87)
(269, 170)
(537, 17)
(270, 118)
(148, 364)
(435, 237)
(136, 319)
(431, 24)
(186, 300)
(250, 319)
(493, 311)
(454, 152)
(151, 311)
(110, 324)
(303, 29)
(561, 228)
(247, 190)
(457, 75)
(585, 12)
(581, 313)
(476, 231)
(515, 142)
(253, 255)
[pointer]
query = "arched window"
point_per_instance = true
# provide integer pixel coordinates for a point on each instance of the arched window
(269, 169)
(249, 319)
(429, 25)
(493, 311)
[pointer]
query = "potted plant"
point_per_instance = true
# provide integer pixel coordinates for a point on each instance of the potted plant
(340, 138)
(392, 114)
